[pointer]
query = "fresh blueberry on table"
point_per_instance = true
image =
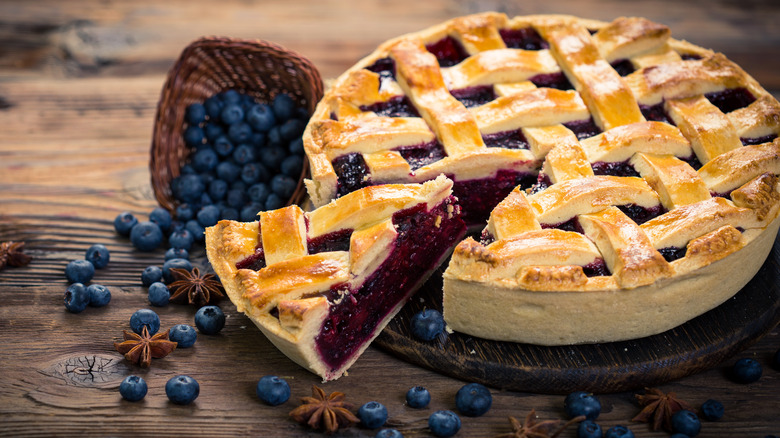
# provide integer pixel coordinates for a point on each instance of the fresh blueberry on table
(712, 410)
(167, 275)
(184, 212)
(151, 274)
(158, 294)
(273, 390)
(124, 222)
(589, 429)
(686, 422)
(418, 397)
(182, 390)
(133, 388)
(618, 431)
(79, 271)
(146, 236)
(473, 400)
(427, 324)
(582, 403)
(444, 423)
(99, 295)
(98, 255)
(162, 218)
(373, 415)
(746, 370)
(188, 187)
(389, 433)
(183, 334)
(208, 216)
(196, 229)
(76, 298)
(145, 317)
(210, 320)
(181, 239)
(177, 253)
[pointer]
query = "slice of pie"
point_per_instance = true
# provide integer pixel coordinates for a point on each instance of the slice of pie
(322, 284)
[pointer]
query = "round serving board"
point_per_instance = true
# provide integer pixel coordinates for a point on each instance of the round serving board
(608, 367)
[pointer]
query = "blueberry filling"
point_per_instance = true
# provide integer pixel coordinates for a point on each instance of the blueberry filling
(572, 224)
(758, 140)
(486, 238)
(583, 128)
(693, 161)
(385, 67)
(552, 80)
(448, 51)
(615, 169)
(596, 268)
(672, 253)
(255, 261)
(474, 96)
(542, 182)
(656, 113)
(507, 139)
(422, 155)
(690, 57)
(640, 214)
(335, 241)
(731, 99)
(482, 195)
(624, 67)
(398, 106)
(354, 314)
(526, 39)
(352, 173)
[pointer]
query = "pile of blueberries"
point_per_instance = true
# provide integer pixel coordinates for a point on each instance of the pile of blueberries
(244, 157)
(80, 272)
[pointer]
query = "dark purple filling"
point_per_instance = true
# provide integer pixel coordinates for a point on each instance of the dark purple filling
(448, 51)
(758, 140)
(597, 268)
(542, 182)
(694, 162)
(526, 39)
(731, 99)
(385, 67)
(572, 224)
(335, 241)
(398, 106)
(256, 261)
(672, 253)
(422, 155)
(479, 196)
(507, 139)
(615, 169)
(639, 214)
(352, 173)
(353, 319)
(583, 128)
(656, 113)
(624, 67)
(552, 80)
(474, 96)
(690, 57)
(486, 238)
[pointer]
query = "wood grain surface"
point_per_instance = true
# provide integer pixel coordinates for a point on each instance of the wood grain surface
(79, 84)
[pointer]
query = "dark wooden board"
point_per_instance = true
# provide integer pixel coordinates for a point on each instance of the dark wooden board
(695, 346)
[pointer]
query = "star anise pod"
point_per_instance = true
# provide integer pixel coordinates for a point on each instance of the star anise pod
(11, 254)
(198, 289)
(142, 348)
(322, 412)
(659, 407)
(533, 429)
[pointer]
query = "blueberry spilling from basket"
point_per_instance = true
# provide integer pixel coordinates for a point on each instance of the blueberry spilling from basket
(245, 157)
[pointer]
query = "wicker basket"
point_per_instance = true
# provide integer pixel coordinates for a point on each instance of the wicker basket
(208, 66)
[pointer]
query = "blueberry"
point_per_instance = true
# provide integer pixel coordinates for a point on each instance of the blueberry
(273, 390)
(746, 370)
(473, 400)
(195, 113)
(427, 324)
(208, 216)
(181, 239)
(124, 222)
(98, 255)
(236, 198)
(273, 156)
(194, 135)
(213, 131)
(184, 212)
(291, 129)
(133, 388)
(146, 236)
(177, 253)
(99, 295)
(239, 132)
(189, 188)
(218, 189)
(292, 166)
(296, 147)
(205, 200)
(243, 154)
(150, 275)
(273, 202)
(250, 212)
(187, 169)
(204, 160)
(196, 229)
(76, 298)
(231, 96)
(253, 172)
(372, 415)
(182, 390)
(228, 171)
(389, 433)
(257, 139)
(214, 107)
(159, 295)
(258, 192)
(223, 146)
(230, 214)
(210, 320)
(283, 185)
(618, 431)
(238, 185)
(184, 335)
(145, 317)
(444, 423)
(274, 137)
(79, 271)
(589, 429)
(712, 410)
(582, 403)
(231, 113)
(162, 218)
(174, 264)
(284, 107)
(686, 422)
(260, 117)
(418, 397)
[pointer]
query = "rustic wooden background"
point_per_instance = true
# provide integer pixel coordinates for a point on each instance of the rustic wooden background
(79, 85)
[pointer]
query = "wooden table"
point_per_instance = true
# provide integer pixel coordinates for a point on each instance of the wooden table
(79, 85)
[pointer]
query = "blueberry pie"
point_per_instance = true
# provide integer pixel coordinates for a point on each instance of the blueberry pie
(629, 180)
(322, 284)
